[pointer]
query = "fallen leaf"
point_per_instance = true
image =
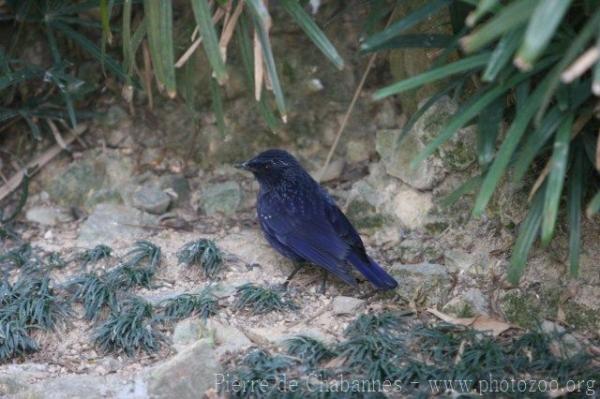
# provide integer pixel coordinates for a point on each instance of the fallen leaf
(479, 323)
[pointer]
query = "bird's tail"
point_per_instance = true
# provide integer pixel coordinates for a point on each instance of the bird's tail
(373, 272)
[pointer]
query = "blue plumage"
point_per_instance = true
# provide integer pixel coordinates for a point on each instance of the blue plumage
(302, 222)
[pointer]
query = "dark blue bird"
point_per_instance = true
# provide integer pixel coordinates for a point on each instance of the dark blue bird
(302, 222)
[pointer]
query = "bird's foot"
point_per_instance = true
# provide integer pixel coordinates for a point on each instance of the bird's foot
(323, 289)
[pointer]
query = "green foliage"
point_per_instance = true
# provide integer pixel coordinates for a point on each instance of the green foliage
(552, 84)
(203, 304)
(310, 350)
(129, 329)
(15, 340)
(96, 293)
(138, 266)
(18, 256)
(93, 255)
(260, 300)
(203, 253)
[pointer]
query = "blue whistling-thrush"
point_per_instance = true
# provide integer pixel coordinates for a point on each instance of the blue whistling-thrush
(302, 222)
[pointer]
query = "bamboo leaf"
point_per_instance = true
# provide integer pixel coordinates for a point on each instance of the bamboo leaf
(489, 122)
(510, 143)
(378, 39)
(422, 40)
(527, 233)
(484, 7)
(508, 18)
(465, 64)
(311, 29)
(542, 25)
(575, 193)
(502, 54)
(575, 46)
(556, 178)
(159, 24)
(210, 40)
(128, 54)
(262, 24)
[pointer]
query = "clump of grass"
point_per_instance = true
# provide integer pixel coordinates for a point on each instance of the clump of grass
(310, 350)
(261, 300)
(54, 260)
(138, 267)
(203, 253)
(15, 340)
(129, 329)
(17, 256)
(261, 371)
(203, 304)
(96, 292)
(93, 255)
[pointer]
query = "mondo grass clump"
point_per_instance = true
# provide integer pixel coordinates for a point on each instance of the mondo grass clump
(129, 329)
(203, 304)
(261, 300)
(203, 253)
(311, 351)
(30, 304)
(93, 255)
(96, 292)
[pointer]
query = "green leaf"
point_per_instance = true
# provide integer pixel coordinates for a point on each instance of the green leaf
(508, 18)
(574, 48)
(128, 54)
(311, 29)
(90, 48)
(540, 30)
(210, 40)
(535, 141)
(593, 206)
(506, 151)
(472, 108)
(423, 40)
(484, 7)
(430, 8)
(262, 21)
(527, 233)
(465, 64)
(159, 24)
(34, 128)
(575, 193)
(556, 178)
(217, 105)
(489, 122)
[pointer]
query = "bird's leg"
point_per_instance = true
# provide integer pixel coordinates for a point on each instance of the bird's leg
(324, 282)
(291, 276)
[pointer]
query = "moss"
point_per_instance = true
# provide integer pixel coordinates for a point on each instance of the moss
(436, 228)
(581, 317)
(363, 215)
(521, 310)
(459, 156)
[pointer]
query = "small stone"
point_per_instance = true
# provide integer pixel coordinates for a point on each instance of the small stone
(221, 198)
(151, 199)
(468, 303)
(109, 223)
(333, 171)
(114, 115)
(48, 216)
(412, 207)
(358, 151)
(346, 305)
(187, 375)
(186, 332)
(73, 186)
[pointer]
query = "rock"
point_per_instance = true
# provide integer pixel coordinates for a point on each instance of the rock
(469, 303)
(563, 345)
(151, 199)
(227, 337)
(77, 183)
(11, 385)
(358, 150)
(221, 198)
(187, 375)
(81, 386)
(109, 223)
(386, 117)
(177, 186)
(114, 115)
(426, 283)
(454, 155)
(412, 207)
(347, 305)
(48, 216)
(333, 171)
(186, 332)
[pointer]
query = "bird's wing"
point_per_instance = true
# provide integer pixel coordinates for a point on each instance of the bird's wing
(341, 224)
(312, 237)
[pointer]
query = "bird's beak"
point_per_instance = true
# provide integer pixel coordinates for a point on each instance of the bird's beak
(243, 165)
